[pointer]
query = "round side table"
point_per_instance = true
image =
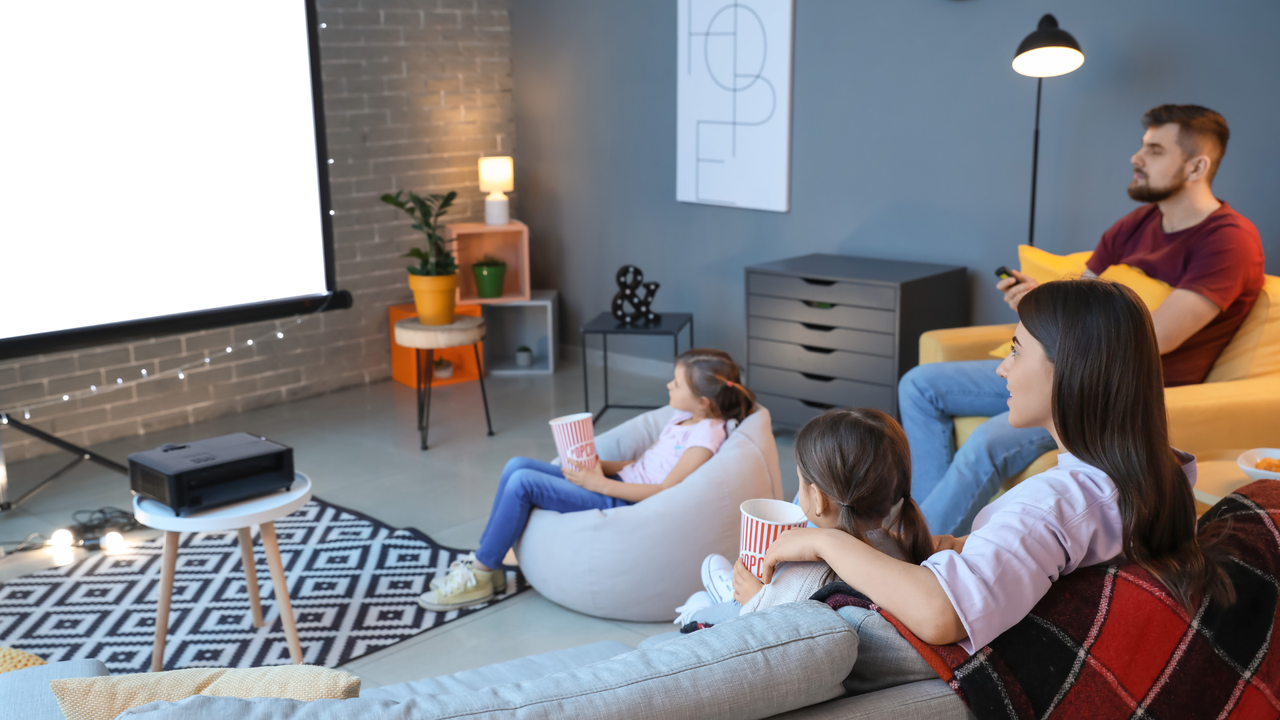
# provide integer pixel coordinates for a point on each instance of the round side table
(260, 511)
(465, 330)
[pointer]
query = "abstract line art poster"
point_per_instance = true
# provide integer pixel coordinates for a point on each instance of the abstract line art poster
(733, 103)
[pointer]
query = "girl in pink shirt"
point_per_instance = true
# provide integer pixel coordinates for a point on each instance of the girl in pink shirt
(706, 390)
(1086, 367)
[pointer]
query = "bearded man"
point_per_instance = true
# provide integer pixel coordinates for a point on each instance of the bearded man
(1209, 253)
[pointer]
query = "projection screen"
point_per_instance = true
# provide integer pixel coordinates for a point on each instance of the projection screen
(162, 169)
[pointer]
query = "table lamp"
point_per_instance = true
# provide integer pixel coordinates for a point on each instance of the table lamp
(1047, 52)
(495, 179)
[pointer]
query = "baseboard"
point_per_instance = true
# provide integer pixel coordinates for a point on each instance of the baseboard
(648, 367)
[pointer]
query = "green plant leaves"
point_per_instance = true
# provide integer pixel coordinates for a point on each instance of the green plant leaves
(435, 259)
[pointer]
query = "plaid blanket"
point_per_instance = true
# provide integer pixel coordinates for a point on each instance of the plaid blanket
(1110, 642)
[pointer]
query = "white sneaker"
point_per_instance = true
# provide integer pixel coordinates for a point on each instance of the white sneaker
(696, 602)
(499, 578)
(717, 578)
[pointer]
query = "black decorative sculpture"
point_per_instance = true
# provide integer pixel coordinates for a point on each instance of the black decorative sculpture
(630, 281)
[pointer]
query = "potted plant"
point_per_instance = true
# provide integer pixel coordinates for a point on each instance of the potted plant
(489, 271)
(434, 280)
(441, 368)
(524, 356)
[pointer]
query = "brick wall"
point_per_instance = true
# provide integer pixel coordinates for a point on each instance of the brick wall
(415, 91)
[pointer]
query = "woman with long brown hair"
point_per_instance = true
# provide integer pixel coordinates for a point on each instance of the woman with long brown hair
(1086, 367)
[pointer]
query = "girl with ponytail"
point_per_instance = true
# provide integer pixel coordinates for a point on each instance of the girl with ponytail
(855, 478)
(1086, 367)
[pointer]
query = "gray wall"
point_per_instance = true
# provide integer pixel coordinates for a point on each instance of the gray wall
(414, 92)
(911, 139)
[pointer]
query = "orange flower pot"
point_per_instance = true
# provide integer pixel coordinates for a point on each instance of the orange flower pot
(434, 297)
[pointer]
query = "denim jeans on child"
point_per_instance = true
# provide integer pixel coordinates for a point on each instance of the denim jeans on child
(527, 483)
(951, 485)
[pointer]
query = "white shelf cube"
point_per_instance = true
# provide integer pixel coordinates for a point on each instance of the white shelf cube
(532, 322)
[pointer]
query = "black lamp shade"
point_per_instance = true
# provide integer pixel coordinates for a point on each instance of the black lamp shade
(1048, 51)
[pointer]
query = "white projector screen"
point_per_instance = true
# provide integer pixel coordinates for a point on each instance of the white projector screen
(163, 168)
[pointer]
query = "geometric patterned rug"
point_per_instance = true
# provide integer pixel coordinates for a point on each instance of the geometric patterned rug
(353, 580)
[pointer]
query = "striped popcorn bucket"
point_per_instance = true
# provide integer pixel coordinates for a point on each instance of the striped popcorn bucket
(763, 521)
(575, 439)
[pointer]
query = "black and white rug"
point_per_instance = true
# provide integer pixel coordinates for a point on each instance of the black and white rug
(354, 583)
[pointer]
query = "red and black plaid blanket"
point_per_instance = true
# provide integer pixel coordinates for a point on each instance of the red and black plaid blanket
(1110, 642)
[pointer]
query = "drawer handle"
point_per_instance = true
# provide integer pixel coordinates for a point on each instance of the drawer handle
(818, 328)
(818, 305)
(823, 283)
(818, 405)
(820, 351)
(819, 378)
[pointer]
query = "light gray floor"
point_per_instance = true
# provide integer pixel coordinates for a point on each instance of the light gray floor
(360, 447)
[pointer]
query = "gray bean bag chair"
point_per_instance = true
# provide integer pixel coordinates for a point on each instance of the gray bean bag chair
(639, 562)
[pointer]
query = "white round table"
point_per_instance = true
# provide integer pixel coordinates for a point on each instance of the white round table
(260, 511)
(464, 330)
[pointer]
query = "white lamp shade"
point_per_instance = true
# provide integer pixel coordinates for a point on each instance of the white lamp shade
(1048, 62)
(496, 174)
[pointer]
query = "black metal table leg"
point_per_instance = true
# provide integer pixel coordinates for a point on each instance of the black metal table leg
(424, 393)
(483, 396)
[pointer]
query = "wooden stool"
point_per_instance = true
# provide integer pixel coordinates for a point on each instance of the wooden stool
(465, 330)
(260, 511)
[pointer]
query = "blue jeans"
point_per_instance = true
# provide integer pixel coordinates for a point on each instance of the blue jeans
(951, 485)
(527, 483)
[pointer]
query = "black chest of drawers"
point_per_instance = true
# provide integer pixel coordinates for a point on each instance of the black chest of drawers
(828, 331)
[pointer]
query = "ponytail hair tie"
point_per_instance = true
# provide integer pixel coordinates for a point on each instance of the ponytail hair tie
(729, 383)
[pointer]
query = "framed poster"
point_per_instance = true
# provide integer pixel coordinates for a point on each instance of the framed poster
(733, 103)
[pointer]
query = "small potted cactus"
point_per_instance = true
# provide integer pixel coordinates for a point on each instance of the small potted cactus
(490, 271)
(442, 369)
(524, 356)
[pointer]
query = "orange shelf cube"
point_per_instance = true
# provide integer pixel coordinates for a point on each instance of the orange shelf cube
(403, 368)
(472, 241)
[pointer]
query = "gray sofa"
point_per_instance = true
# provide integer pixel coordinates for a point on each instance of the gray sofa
(799, 661)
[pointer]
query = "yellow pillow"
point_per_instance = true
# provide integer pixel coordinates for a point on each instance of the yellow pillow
(103, 698)
(296, 682)
(13, 659)
(1046, 267)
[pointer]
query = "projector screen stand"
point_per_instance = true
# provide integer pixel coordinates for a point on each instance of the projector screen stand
(81, 454)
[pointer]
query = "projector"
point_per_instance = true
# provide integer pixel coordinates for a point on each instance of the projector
(191, 477)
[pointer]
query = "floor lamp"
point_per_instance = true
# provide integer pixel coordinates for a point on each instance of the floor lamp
(1047, 52)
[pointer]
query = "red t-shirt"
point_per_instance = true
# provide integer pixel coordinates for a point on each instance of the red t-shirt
(1219, 258)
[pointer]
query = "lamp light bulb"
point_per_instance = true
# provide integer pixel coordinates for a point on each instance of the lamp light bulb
(93, 388)
(119, 381)
(332, 212)
(112, 542)
(250, 342)
(4, 419)
(61, 537)
(228, 348)
(206, 359)
(144, 373)
(1048, 62)
(66, 398)
(26, 414)
(280, 335)
(181, 375)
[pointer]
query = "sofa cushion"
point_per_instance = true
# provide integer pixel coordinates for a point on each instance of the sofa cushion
(1254, 351)
(26, 693)
(783, 658)
(923, 700)
(519, 670)
(638, 562)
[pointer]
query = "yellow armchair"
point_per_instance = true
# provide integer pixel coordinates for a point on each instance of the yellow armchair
(1238, 405)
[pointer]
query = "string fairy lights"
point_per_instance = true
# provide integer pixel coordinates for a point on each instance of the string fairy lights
(180, 372)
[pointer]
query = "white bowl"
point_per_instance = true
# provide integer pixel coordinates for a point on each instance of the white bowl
(1249, 459)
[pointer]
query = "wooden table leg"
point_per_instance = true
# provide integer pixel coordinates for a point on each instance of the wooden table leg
(168, 566)
(281, 585)
(250, 574)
